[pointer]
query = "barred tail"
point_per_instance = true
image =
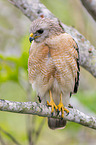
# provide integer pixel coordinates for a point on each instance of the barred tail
(56, 123)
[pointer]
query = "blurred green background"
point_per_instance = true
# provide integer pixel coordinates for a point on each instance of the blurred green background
(14, 85)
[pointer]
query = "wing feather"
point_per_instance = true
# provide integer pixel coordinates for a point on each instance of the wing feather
(65, 55)
(78, 71)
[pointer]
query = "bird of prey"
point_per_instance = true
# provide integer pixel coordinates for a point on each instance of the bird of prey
(53, 66)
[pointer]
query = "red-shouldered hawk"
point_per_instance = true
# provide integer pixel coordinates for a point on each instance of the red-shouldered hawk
(53, 66)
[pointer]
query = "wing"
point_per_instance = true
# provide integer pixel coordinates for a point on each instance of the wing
(65, 55)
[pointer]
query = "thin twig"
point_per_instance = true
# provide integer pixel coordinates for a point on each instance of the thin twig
(39, 130)
(90, 5)
(10, 136)
(1, 140)
(29, 131)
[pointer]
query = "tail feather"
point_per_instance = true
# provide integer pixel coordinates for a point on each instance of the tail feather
(56, 123)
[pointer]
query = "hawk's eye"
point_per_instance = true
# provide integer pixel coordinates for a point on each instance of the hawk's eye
(40, 31)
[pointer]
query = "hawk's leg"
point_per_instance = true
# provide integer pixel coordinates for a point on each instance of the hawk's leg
(62, 108)
(52, 104)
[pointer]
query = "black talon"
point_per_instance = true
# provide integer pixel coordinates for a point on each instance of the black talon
(39, 99)
(58, 112)
(52, 113)
(61, 118)
(70, 106)
(67, 114)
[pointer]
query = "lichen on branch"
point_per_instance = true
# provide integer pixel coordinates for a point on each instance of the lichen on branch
(35, 108)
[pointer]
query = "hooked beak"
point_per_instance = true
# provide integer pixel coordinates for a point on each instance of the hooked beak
(31, 38)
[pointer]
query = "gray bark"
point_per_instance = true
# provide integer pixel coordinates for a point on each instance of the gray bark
(35, 108)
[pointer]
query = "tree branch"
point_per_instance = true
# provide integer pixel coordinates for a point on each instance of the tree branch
(34, 9)
(90, 5)
(39, 109)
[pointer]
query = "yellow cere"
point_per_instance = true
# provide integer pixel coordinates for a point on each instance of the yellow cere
(31, 35)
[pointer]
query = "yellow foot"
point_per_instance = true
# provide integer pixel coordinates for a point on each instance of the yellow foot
(62, 108)
(52, 104)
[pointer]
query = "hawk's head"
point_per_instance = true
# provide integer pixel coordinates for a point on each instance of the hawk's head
(43, 28)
